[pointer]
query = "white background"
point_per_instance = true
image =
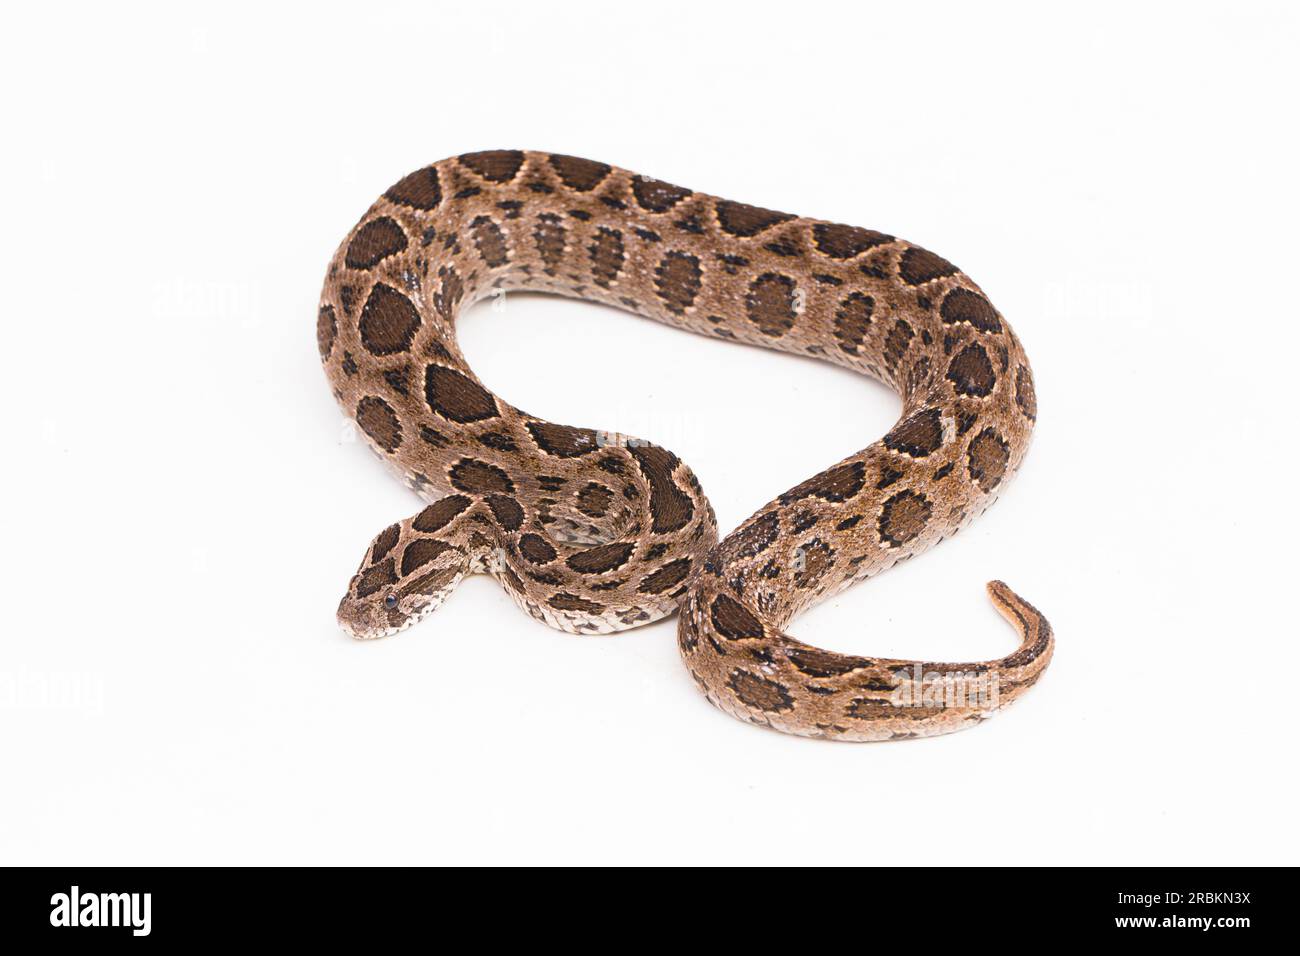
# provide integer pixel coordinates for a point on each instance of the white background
(181, 510)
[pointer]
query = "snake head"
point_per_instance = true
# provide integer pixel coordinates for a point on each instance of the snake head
(404, 577)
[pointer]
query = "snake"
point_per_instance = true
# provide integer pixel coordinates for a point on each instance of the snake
(592, 531)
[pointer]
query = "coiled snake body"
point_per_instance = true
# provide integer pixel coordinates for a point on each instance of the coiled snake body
(592, 532)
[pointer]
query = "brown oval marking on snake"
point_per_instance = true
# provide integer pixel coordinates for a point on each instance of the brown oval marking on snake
(386, 541)
(457, 397)
(834, 484)
(573, 602)
(439, 514)
(383, 574)
(495, 165)
(760, 693)
(378, 420)
(846, 242)
(770, 304)
(733, 621)
(550, 236)
(971, 372)
(602, 558)
(903, 517)
(594, 499)
(388, 321)
(666, 578)
(607, 256)
(918, 266)
(744, 220)
(852, 320)
(420, 552)
(755, 537)
(420, 190)
(656, 196)
(375, 242)
(815, 662)
(918, 436)
(479, 477)
(671, 508)
(962, 305)
(536, 549)
(490, 242)
(677, 279)
(562, 441)
(896, 343)
(583, 175)
(1026, 399)
(327, 330)
(508, 512)
(986, 459)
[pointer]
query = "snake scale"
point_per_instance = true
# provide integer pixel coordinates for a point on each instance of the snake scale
(594, 532)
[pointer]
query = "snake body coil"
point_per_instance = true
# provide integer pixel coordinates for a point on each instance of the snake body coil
(591, 532)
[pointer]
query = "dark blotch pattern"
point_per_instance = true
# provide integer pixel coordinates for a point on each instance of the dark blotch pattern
(745, 221)
(657, 196)
(449, 293)
(388, 321)
(375, 242)
(962, 305)
(818, 663)
(327, 329)
(754, 538)
(669, 576)
(732, 620)
(563, 441)
(602, 558)
(986, 459)
(496, 165)
(594, 500)
(383, 574)
(834, 484)
(385, 542)
(420, 190)
(852, 319)
(1026, 398)
(770, 304)
(378, 420)
(670, 508)
(607, 256)
(536, 549)
(549, 236)
(439, 514)
(903, 517)
(918, 435)
(457, 397)
(508, 512)
(971, 372)
(759, 693)
(490, 242)
(815, 559)
(479, 477)
(845, 242)
(918, 265)
(420, 552)
(677, 279)
(571, 602)
(896, 343)
(583, 175)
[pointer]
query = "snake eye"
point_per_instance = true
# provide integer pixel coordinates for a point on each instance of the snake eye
(390, 602)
